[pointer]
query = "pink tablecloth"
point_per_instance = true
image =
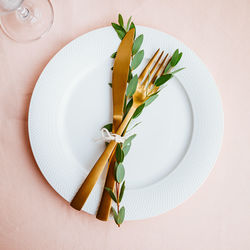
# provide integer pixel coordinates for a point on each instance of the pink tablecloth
(217, 217)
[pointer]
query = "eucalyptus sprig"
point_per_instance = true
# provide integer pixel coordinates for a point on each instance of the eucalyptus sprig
(119, 173)
(123, 149)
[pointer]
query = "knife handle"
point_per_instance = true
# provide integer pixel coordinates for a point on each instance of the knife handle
(90, 181)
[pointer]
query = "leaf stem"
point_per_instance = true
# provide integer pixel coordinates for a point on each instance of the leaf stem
(117, 196)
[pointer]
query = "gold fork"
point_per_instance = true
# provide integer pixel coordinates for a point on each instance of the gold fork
(144, 90)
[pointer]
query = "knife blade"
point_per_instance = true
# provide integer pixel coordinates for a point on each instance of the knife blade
(119, 85)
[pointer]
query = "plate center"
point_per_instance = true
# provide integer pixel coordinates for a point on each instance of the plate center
(162, 138)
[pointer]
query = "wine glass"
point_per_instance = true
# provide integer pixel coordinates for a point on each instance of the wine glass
(26, 20)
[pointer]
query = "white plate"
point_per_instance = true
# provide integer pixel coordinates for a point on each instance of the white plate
(176, 144)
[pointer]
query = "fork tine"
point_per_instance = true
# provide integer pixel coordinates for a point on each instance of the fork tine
(155, 89)
(153, 69)
(155, 65)
(158, 72)
(145, 70)
(167, 64)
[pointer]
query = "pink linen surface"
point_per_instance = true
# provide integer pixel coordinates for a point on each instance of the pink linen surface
(34, 217)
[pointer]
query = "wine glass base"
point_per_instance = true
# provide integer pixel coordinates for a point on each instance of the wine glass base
(30, 22)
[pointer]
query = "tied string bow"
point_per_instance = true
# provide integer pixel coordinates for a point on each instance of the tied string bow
(108, 136)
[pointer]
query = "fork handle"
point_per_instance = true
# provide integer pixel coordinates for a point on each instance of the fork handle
(90, 181)
(105, 203)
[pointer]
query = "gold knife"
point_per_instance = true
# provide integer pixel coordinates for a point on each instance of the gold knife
(119, 85)
(123, 66)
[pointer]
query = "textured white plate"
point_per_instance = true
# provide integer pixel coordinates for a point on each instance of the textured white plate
(176, 144)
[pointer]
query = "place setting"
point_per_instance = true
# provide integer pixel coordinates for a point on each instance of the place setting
(125, 122)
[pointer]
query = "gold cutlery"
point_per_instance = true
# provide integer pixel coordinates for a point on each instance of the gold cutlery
(119, 86)
(145, 88)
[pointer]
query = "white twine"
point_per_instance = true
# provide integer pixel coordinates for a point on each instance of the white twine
(108, 136)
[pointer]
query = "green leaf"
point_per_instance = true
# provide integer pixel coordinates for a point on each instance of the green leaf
(132, 26)
(138, 123)
(119, 154)
(157, 92)
(162, 79)
(150, 100)
(132, 86)
(128, 140)
(116, 26)
(113, 55)
(179, 57)
(116, 165)
(129, 105)
(137, 59)
(135, 125)
(121, 34)
(119, 30)
(177, 70)
(175, 58)
(167, 69)
(121, 215)
(110, 84)
(119, 173)
(137, 44)
(128, 23)
(112, 195)
(130, 75)
(138, 111)
(126, 149)
(127, 143)
(115, 215)
(120, 20)
(108, 127)
(122, 191)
